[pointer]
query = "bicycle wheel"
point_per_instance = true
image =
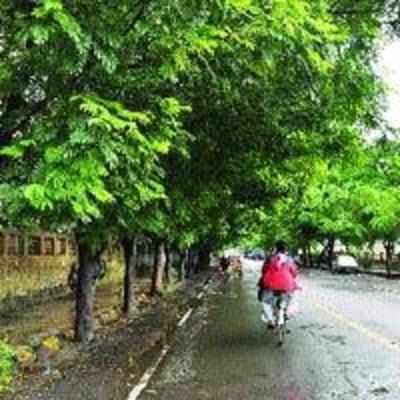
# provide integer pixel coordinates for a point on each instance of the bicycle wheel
(281, 333)
(281, 324)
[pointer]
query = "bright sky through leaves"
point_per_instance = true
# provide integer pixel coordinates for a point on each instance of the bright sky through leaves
(390, 70)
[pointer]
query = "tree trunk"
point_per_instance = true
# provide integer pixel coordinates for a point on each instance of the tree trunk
(139, 258)
(183, 256)
(389, 249)
(204, 258)
(130, 254)
(321, 256)
(159, 267)
(167, 263)
(331, 249)
(190, 264)
(89, 267)
(151, 255)
(309, 256)
(195, 262)
(306, 257)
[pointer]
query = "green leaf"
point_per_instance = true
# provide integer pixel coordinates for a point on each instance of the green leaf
(36, 194)
(13, 151)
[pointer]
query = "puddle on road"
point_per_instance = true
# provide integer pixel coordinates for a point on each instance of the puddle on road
(337, 339)
(380, 391)
(313, 327)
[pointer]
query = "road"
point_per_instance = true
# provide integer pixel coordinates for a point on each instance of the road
(345, 344)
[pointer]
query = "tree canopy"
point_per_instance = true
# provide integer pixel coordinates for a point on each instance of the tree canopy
(184, 120)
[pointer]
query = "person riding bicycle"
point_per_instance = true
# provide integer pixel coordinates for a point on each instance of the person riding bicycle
(278, 278)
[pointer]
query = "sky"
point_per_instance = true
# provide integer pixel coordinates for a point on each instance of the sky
(389, 69)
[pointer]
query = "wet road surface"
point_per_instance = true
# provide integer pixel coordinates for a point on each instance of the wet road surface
(344, 345)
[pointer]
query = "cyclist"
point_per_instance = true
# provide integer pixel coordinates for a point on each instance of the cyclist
(279, 277)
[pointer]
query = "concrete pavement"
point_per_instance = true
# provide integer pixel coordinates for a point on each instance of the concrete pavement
(344, 345)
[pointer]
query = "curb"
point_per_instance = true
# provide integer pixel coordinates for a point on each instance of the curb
(146, 377)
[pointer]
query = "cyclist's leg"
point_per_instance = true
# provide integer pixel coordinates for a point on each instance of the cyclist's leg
(268, 304)
(286, 300)
(281, 306)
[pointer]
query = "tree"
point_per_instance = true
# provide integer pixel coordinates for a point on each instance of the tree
(129, 245)
(102, 159)
(378, 196)
(68, 91)
(94, 106)
(294, 96)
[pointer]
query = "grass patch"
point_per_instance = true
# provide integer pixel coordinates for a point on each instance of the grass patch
(7, 366)
(15, 282)
(171, 288)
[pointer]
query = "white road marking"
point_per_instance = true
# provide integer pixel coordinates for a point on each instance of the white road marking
(138, 389)
(374, 336)
(185, 317)
(144, 381)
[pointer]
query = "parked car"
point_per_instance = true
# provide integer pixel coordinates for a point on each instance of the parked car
(345, 263)
(255, 255)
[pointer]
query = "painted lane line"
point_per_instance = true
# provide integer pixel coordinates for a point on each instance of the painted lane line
(185, 317)
(374, 336)
(203, 292)
(144, 381)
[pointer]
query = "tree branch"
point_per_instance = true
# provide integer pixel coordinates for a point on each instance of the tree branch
(142, 9)
(7, 134)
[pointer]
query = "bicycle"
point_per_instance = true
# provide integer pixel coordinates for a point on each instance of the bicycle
(280, 315)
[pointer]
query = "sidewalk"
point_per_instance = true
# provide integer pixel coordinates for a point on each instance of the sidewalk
(121, 351)
(381, 273)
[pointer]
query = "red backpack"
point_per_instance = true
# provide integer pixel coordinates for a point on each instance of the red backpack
(278, 274)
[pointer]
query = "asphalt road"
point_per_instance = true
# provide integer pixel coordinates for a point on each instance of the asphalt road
(345, 344)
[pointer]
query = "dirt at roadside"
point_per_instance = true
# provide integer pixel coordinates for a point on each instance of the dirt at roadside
(108, 367)
(103, 370)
